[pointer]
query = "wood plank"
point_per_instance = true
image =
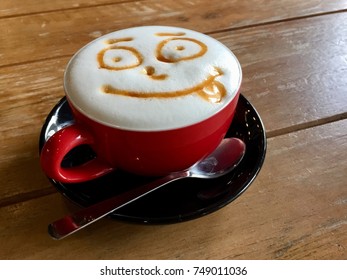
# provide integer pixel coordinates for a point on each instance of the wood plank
(27, 94)
(15, 7)
(287, 65)
(61, 33)
(295, 72)
(295, 209)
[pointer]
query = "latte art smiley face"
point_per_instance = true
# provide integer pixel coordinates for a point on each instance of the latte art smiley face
(172, 50)
(152, 78)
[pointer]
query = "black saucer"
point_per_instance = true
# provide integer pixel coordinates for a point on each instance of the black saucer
(179, 201)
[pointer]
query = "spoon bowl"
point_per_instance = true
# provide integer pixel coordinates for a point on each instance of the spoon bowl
(220, 162)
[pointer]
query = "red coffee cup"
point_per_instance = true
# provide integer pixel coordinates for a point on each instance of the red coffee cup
(143, 150)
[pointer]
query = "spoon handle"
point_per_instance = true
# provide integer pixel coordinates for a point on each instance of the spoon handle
(84, 217)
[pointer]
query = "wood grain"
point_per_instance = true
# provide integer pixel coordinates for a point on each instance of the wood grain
(15, 7)
(300, 66)
(61, 33)
(294, 74)
(11, 8)
(295, 209)
(27, 93)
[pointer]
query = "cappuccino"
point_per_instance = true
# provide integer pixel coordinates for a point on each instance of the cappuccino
(152, 78)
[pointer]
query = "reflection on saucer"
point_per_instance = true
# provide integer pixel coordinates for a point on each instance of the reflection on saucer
(179, 201)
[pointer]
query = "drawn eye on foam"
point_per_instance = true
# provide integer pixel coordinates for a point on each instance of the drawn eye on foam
(115, 57)
(175, 49)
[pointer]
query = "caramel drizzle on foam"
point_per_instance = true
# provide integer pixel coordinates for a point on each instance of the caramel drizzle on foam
(162, 44)
(170, 34)
(210, 89)
(150, 72)
(135, 52)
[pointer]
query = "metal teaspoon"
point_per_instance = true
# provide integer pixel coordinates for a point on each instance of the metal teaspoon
(221, 161)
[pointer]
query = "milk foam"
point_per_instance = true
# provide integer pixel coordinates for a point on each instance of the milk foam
(151, 78)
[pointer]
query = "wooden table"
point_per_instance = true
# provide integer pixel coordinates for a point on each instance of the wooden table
(294, 59)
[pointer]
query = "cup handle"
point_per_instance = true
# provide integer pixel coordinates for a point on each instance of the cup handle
(59, 145)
